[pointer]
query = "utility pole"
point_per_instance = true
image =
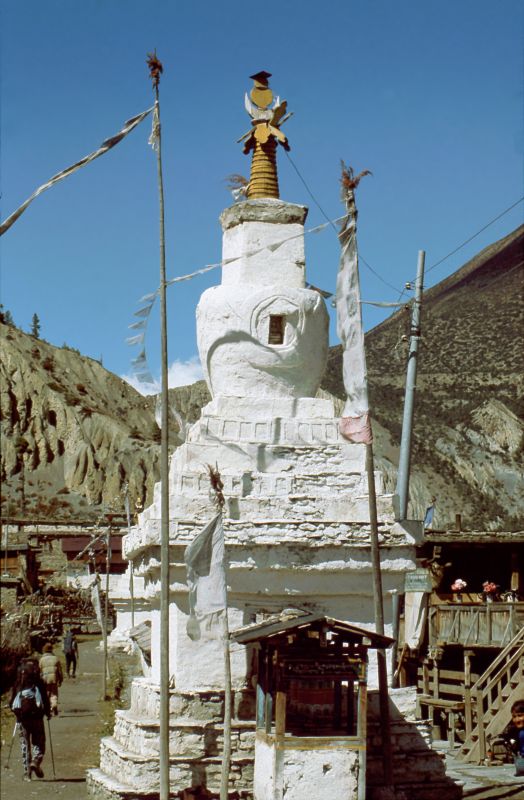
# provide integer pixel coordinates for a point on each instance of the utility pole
(155, 69)
(409, 399)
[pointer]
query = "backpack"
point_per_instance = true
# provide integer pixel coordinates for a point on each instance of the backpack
(28, 703)
(69, 643)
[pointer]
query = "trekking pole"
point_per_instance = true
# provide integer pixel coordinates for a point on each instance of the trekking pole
(51, 747)
(11, 748)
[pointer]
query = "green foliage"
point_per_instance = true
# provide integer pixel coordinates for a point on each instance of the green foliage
(35, 326)
(6, 317)
(71, 349)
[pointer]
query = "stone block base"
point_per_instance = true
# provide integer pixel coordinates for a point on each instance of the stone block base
(130, 760)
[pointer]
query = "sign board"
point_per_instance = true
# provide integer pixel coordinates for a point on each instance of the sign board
(419, 580)
(344, 668)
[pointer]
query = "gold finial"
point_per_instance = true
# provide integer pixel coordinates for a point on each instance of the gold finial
(263, 137)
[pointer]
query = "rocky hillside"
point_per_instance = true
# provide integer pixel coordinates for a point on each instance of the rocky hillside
(73, 434)
(468, 431)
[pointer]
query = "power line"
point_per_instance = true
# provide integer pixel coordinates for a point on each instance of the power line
(395, 288)
(309, 191)
(437, 263)
(433, 266)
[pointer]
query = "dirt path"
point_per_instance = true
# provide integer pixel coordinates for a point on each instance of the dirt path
(75, 736)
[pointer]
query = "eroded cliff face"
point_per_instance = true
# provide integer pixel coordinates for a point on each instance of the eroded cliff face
(468, 434)
(73, 434)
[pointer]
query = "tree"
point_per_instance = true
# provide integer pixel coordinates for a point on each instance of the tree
(6, 317)
(35, 326)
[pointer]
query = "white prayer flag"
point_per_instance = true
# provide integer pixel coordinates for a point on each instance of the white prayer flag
(129, 125)
(95, 599)
(206, 575)
(355, 423)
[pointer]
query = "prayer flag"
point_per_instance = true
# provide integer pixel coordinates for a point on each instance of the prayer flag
(95, 599)
(206, 575)
(355, 423)
(104, 147)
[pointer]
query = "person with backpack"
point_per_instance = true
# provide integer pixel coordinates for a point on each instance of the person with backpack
(70, 652)
(52, 675)
(30, 703)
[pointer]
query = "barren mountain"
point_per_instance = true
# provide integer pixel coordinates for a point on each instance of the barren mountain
(468, 428)
(74, 434)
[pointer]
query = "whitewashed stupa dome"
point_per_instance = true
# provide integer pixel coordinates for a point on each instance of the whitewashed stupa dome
(261, 333)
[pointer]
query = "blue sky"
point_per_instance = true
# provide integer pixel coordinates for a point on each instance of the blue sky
(428, 95)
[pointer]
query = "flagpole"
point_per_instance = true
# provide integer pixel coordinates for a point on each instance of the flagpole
(106, 604)
(226, 756)
(156, 69)
(358, 402)
(217, 486)
(131, 572)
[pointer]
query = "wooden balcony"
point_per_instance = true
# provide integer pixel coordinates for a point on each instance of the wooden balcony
(474, 624)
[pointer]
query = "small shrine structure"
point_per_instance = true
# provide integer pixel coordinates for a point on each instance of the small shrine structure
(311, 723)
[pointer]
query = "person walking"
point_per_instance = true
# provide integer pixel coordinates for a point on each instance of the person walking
(52, 675)
(70, 652)
(30, 703)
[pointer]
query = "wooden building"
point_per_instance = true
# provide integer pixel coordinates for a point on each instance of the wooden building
(468, 662)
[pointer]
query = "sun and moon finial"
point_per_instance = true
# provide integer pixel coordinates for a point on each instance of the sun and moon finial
(268, 115)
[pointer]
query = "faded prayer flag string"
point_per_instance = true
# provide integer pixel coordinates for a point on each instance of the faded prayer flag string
(129, 125)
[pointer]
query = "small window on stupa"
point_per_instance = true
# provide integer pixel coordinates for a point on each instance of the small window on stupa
(277, 324)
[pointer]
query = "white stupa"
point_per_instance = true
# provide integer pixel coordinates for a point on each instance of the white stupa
(296, 519)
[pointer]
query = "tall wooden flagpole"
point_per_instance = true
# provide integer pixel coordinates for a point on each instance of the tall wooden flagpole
(217, 486)
(355, 422)
(155, 68)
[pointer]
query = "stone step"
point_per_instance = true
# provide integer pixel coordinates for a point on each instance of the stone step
(188, 737)
(103, 787)
(141, 772)
(208, 706)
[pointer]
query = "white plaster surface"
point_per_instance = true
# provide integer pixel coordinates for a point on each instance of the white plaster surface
(296, 520)
(304, 774)
(265, 276)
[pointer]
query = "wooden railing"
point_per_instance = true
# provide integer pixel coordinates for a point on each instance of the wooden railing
(492, 696)
(444, 691)
(474, 624)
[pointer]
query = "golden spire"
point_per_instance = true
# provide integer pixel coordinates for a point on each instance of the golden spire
(267, 116)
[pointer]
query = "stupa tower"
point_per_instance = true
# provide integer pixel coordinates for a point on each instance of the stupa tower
(296, 518)
(267, 115)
